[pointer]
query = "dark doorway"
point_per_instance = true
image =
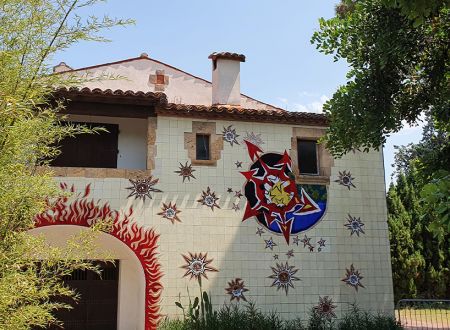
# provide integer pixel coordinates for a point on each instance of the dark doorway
(97, 307)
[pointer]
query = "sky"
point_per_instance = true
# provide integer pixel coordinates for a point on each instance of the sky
(282, 67)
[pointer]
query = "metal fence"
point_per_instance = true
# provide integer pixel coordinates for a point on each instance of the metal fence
(415, 314)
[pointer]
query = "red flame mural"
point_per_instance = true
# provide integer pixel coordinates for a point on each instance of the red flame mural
(142, 241)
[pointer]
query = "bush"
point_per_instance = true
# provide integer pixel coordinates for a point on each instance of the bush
(234, 317)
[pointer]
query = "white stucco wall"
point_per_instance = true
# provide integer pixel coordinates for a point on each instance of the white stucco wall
(182, 87)
(233, 245)
(132, 142)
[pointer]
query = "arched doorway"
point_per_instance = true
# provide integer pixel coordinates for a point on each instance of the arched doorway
(135, 247)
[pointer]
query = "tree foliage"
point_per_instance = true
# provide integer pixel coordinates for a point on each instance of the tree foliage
(31, 32)
(398, 68)
(417, 205)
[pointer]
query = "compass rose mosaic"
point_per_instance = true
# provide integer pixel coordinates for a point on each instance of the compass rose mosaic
(274, 198)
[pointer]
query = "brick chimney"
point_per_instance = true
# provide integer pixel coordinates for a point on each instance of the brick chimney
(226, 88)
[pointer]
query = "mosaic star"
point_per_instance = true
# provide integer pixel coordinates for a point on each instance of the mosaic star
(283, 275)
(306, 241)
(186, 171)
(236, 207)
(270, 243)
(259, 231)
(197, 265)
(354, 225)
(229, 135)
(345, 179)
(325, 308)
(238, 194)
(238, 164)
(236, 289)
(229, 190)
(142, 188)
(296, 240)
(209, 199)
(170, 212)
(353, 278)
(290, 253)
(321, 243)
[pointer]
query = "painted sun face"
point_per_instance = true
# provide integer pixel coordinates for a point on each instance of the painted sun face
(325, 308)
(209, 199)
(283, 275)
(143, 188)
(197, 265)
(186, 171)
(170, 212)
(355, 225)
(345, 179)
(353, 278)
(229, 135)
(277, 193)
(236, 289)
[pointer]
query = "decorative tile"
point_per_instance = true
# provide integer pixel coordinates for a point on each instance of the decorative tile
(270, 243)
(354, 225)
(259, 231)
(290, 254)
(197, 265)
(283, 275)
(325, 308)
(230, 135)
(142, 188)
(345, 179)
(235, 207)
(170, 212)
(253, 139)
(186, 171)
(353, 278)
(209, 199)
(238, 164)
(321, 244)
(236, 289)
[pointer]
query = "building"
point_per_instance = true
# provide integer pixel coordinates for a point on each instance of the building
(205, 182)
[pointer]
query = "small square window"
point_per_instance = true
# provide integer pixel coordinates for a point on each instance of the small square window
(307, 157)
(202, 147)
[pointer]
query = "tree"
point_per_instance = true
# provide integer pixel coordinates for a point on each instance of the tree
(398, 69)
(31, 32)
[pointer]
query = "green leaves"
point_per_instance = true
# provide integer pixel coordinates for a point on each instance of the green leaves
(398, 69)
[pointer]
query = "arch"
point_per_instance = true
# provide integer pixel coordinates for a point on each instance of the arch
(85, 212)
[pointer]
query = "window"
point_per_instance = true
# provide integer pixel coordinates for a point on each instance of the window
(90, 150)
(160, 79)
(202, 147)
(307, 157)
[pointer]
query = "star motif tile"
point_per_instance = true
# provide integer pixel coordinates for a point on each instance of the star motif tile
(270, 243)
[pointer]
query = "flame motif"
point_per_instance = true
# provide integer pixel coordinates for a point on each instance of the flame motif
(143, 241)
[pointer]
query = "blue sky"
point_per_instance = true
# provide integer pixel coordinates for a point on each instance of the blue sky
(282, 67)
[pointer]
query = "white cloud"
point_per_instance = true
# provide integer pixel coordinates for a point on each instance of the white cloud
(315, 106)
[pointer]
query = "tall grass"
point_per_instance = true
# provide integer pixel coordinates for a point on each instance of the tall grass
(251, 318)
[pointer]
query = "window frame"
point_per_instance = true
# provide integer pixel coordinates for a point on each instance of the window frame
(208, 138)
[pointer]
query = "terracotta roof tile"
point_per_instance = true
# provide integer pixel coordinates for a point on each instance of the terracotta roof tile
(227, 55)
(197, 111)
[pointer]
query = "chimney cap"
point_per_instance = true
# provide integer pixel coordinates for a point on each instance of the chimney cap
(227, 55)
(61, 67)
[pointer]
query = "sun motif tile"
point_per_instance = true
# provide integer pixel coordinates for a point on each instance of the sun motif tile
(236, 289)
(229, 135)
(270, 243)
(325, 308)
(197, 265)
(253, 138)
(142, 188)
(170, 212)
(209, 199)
(353, 278)
(283, 275)
(355, 225)
(345, 179)
(186, 171)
